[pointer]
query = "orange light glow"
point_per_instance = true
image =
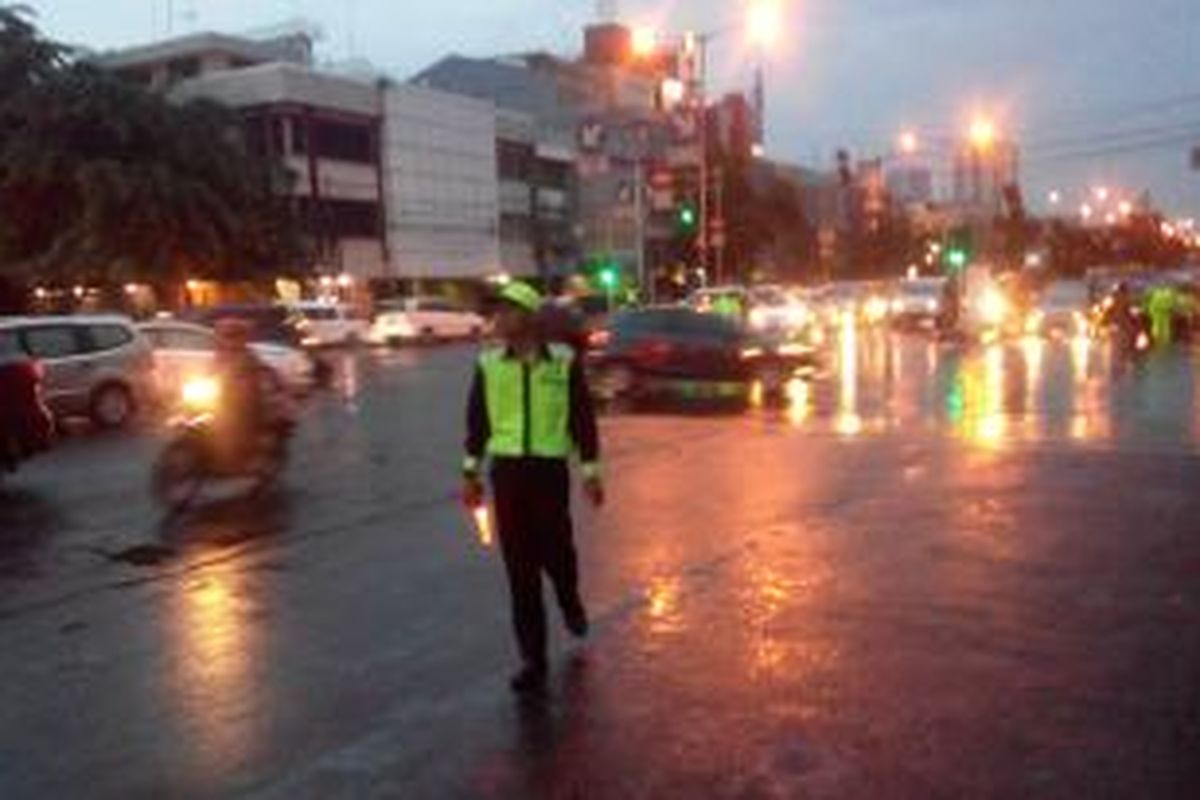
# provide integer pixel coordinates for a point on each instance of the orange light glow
(483, 525)
(764, 22)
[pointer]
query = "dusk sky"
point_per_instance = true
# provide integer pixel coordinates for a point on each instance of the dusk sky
(1097, 92)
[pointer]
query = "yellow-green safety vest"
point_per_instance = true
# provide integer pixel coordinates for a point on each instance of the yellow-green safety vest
(528, 403)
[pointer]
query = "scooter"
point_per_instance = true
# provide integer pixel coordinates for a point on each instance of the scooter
(195, 456)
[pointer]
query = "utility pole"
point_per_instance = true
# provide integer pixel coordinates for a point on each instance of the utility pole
(639, 212)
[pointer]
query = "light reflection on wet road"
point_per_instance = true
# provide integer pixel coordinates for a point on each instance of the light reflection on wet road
(1000, 394)
(932, 572)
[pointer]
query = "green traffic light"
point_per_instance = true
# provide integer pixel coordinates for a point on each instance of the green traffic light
(957, 258)
(688, 217)
(608, 277)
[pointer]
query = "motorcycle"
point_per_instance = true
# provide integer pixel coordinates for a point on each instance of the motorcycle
(196, 454)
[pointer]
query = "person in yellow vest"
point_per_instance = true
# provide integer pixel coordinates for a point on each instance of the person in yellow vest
(529, 410)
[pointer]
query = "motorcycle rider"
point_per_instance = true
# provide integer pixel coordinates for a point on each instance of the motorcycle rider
(252, 408)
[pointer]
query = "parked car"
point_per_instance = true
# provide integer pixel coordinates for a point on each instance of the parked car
(423, 319)
(100, 367)
(328, 324)
(655, 350)
(182, 350)
(26, 427)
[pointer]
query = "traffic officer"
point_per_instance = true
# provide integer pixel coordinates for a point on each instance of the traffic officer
(529, 409)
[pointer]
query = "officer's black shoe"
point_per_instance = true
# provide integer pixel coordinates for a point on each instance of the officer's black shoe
(576, 619)
(530, 679)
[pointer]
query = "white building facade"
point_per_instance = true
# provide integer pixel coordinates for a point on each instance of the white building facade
(441, 188)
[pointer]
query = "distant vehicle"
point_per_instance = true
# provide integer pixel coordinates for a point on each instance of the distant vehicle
(328, 324)
(99, 367)
(775, 310)
(268, 323)
(1062, 309)
(655, 350)
(26, 426)
(729, 301)
(857, 302)
(183, 351)
(424, 319)
(917, 303)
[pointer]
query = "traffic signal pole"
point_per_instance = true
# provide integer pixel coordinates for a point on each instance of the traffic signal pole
(702, 131)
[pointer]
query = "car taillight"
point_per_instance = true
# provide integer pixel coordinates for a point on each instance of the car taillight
(36, 371)
(599, 339)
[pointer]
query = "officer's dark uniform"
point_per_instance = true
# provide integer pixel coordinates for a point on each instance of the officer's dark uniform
(528, 417)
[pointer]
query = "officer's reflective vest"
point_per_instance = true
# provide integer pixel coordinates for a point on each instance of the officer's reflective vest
(528, 403)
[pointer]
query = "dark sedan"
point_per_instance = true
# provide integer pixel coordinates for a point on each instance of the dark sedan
(663, 350)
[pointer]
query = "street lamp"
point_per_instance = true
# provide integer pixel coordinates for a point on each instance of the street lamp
(764, 22)
(645, 42)
(909, 144)
(982, 133)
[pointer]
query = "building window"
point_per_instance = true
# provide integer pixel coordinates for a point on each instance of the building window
(341, 219)
(515, 228)
(339, 141)
(553, 174)
(183, 68)
(514, 160)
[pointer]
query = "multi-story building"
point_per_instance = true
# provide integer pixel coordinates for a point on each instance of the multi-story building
(393, 182)
(443, 204)
(595, 131)
(326, 128)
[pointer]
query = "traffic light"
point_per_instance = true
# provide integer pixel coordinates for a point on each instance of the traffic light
(958, 249)
(609, 276)
(688, 217)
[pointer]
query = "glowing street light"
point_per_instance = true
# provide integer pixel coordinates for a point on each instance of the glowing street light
(764, 22)
(909, 144)
(1086, 211)
(1055, 197)
(983, 133)
(645, 42)
(1125, 208)
(1103, 193)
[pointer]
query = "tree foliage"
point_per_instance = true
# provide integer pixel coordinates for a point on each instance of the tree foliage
(103, 180)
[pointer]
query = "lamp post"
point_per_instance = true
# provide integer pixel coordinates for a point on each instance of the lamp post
(762, 25)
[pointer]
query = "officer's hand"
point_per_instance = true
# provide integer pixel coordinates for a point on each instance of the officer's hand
(594, 489)
(472, 492)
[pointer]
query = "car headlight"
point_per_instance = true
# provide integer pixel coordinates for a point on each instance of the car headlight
(993, 306)
(758, 318)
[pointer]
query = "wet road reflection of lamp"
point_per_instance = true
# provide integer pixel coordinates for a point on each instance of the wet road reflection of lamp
(799, 395)
(848, 421)
(662, 599)
(214, 651)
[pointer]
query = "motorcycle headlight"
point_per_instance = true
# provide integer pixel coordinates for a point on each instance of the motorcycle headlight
(201, 393)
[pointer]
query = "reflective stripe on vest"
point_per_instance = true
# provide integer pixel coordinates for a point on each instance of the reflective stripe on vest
(528, 404)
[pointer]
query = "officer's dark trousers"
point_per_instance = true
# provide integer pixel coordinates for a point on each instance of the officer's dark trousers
(533, 514)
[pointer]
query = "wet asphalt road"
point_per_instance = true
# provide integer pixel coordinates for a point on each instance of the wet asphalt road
(930, 573)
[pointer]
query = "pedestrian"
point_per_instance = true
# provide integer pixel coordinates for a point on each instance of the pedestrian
(528, 411)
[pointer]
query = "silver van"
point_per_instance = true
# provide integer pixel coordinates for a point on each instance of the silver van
(100, 367)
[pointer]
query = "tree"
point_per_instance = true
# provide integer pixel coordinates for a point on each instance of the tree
(104, 181)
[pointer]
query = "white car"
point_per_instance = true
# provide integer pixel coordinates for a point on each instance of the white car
(917, 303)
(328, 324)
(424, 319)
(182, 350)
